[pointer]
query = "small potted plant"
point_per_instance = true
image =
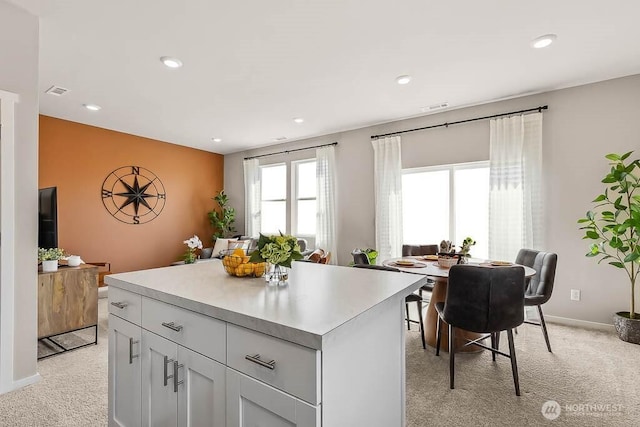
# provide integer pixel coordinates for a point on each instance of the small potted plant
(192, 243)
(613, 225)
(49, 258)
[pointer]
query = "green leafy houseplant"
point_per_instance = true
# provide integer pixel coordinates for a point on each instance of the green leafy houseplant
(614, 221)
(222, 220)
(51, 254)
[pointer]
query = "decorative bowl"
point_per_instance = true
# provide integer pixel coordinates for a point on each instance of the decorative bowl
(448, 261)
(240, 266)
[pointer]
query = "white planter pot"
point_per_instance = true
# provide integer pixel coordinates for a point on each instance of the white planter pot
(48, 266)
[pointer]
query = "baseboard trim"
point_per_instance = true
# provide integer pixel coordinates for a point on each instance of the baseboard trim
(579, 323)
(23, 382)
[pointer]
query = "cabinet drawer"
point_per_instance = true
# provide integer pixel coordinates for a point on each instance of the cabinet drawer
(282, 364)
(202, 334)
(125, 304)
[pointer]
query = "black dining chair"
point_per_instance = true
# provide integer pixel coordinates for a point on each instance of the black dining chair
(540, 286)
(484, 300)
(417, 250)
(359, 257)
(409, 298)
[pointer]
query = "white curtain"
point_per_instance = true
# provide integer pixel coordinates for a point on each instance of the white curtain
(388, 197)
(515, 194)
(252, 197)
(326, 200)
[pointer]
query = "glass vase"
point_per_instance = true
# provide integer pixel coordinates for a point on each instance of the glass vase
(277, 275)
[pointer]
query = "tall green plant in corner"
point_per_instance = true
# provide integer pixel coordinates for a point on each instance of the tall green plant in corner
(614, 222)
(222, 220)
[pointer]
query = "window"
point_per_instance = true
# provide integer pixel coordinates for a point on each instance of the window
(304, 209)
(447, 203)
(290, 209)
(273, 180)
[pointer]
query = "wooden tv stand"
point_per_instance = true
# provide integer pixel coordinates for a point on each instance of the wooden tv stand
(67, 302)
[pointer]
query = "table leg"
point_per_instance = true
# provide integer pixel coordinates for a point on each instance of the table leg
(439, 294)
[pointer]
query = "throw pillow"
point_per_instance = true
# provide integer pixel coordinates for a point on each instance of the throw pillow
(221, 245)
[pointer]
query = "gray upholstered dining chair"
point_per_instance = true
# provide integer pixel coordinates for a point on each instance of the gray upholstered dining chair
(483, 300)
(410, 298)
(359, 257)
(416, 250)
(540, 286)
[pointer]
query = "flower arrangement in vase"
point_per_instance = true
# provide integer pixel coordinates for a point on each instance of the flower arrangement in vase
(279, 251)
(192, 243)
(50, 258)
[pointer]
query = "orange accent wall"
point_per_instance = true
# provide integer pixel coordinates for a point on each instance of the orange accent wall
(77, 158)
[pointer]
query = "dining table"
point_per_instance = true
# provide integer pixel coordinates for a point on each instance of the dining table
(428, 265)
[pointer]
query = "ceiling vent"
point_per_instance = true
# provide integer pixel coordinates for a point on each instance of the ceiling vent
(56, 90)
(435, 107)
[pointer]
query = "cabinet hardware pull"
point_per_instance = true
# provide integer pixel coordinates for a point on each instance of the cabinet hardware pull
(131, 355)
(172, 326)
(176, 383)
(256, 359)
(166, 377)
(119, 304)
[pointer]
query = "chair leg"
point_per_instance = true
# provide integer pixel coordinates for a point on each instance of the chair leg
(406, 307)
(493, 346)
(498, 340)
(544, 329)
(424, 344)
(438, 335)
(514, 364)
(452, 357)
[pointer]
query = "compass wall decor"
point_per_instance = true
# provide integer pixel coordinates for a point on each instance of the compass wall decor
(133, 195)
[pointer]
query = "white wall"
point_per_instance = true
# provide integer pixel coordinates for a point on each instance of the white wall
(581, 126)
(19, 74)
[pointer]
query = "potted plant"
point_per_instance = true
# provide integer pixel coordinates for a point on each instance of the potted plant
(614, 224)
(192, 243)
(223, 218)
(49, 258)
(279, 251)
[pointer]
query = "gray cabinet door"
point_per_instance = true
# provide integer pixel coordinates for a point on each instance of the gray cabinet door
(124, 373)
(252, 403)
(159, 396)
(201, 396)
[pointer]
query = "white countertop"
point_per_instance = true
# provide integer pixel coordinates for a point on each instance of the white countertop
(317, 299)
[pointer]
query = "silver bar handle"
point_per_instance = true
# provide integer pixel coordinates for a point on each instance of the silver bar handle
(166, 377)
(256, 359)
(172, 326)
(119, 304)
(176, 383)
(131, 355)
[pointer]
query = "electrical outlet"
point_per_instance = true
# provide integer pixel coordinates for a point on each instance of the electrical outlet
(575, 294)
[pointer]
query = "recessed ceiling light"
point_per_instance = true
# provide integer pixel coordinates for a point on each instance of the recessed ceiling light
(298, 120)
(171, 62)
(543, 41)
(403, 80)
(216, 139)
(92, 107)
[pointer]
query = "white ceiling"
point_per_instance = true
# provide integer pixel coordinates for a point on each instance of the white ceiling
(251, 66)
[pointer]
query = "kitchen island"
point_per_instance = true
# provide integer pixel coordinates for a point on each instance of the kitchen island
(191, 345)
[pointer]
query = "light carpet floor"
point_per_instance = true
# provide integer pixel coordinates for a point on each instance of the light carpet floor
(586, 368)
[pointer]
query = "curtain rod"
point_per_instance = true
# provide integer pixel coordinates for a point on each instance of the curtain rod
(538, 109)
(290, 151)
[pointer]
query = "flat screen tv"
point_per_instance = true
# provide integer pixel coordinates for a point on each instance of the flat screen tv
(48, 218)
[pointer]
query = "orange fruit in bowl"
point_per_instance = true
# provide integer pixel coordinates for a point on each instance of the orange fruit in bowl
(238, 252)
